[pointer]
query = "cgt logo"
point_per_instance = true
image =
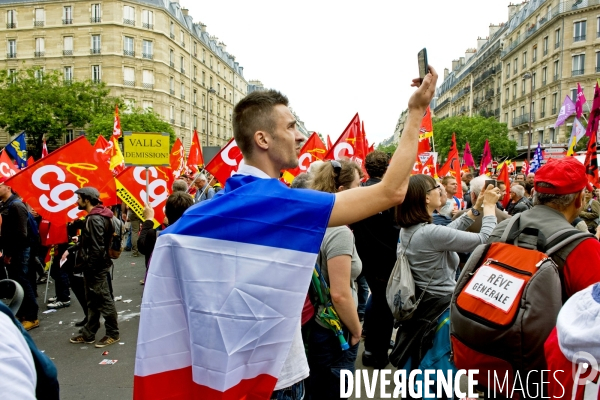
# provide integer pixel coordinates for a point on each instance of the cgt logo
(157, 188)
(60, 196)
(6, 170)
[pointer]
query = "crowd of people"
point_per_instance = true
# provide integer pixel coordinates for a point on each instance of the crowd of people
(369, 223)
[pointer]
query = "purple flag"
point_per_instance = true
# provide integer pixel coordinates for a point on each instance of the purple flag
(567, 109)
(592, 127)
(580, 101)
(468, 157)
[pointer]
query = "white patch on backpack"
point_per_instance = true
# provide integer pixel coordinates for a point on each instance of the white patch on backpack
(495, 287)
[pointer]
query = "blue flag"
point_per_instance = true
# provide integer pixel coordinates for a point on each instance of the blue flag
(18, 150)
(538, 157)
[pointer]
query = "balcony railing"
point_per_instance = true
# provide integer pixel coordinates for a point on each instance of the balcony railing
(543, 83)
(542, 114)
(95, 51)
(147, 25)
(579, 38)
(545, 52)
(96, 80)
(598, 68)
(556, 45)
(68, 21)
(38, 24)
(172, 91)
(11, 55)
(182, 44)
(577, 72)
(172, 64)
(95, 20)
(129, 83)
(598, 34)
(533, 59)
(129, 21)
(554, 110)
(130, 53)
(555, 77)
(67, 52)
(489, 93)
(522, 120)
(172, 121)
(11, 25)
(172, 35)
(182, 96)
(182, 124)
(147, 56)
(148, 85)
(183, 70)
(39, 53)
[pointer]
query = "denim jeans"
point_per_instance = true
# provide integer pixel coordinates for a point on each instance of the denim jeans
(326, 359)
(379, 320)
(17, 271)
(294, 392)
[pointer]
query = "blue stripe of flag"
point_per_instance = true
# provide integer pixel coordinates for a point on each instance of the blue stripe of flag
(263, 212)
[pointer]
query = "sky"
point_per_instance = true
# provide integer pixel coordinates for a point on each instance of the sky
(334, 58)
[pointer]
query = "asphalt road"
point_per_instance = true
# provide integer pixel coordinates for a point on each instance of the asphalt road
(80, 373)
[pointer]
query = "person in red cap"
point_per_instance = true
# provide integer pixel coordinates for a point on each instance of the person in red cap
(559, 195)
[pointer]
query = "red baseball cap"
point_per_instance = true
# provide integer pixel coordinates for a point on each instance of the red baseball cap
(566, 175)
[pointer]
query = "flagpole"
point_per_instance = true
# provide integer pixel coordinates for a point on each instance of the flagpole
(195, 177)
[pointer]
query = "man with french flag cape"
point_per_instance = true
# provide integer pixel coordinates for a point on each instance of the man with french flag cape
(220, 317)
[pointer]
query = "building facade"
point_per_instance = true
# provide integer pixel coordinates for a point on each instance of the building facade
(550, 47)
(522, 72)
(149, 52)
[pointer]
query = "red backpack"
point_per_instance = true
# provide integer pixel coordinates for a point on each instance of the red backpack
(505, 305)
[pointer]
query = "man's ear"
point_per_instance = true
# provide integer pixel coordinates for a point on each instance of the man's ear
(262, 139)
(579, 199)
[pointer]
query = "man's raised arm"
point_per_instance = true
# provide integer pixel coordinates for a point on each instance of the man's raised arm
(360, 203)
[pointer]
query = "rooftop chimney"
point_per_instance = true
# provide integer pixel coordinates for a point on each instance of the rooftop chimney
(446, 73)
(481, 42)
(455, 64)
(185, 12)
(202, 27)
(223, 46)
(512, 10)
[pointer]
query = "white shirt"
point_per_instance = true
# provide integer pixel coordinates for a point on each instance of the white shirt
(295, 367)
(18, 378)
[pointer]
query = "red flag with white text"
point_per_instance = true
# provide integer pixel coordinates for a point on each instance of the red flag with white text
(226, 162)
(425, 133)
(313, 150)
(349, 145)
(131, 188)
(7, 167)
(49, 185)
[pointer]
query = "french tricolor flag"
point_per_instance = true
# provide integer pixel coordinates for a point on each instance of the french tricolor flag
(225, 290)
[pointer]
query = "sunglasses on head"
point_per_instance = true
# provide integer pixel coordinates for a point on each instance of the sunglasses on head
(337, 169)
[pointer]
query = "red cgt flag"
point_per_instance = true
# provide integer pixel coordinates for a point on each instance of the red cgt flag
(452, 166)
(177, 159)
(504, 177)
(349, 145)
(195, 157)
(103, 147)
(425, 132)
(226, 162)
(313, 150)
(49, 185)
(7, 167)
(131, 188)
(591, 161)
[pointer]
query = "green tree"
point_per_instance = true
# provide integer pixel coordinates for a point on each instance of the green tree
(134, 120)
(474, 130)
(390, 148)
(44, 104)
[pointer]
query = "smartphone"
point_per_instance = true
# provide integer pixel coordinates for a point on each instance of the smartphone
(423, 64)
(489, 182)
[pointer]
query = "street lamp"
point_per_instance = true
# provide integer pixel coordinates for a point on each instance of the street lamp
(208, 91)
(529, 75)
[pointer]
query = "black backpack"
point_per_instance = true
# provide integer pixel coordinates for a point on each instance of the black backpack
(33, 231)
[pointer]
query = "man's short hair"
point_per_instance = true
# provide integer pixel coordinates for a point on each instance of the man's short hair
(176, 205)
(254, 113)
(477, 184)
(518, 190)
(560, 201)
(302, 181)
(180, 186)
(521, 174)
(376, 163)
(201, 177)
(447, 179)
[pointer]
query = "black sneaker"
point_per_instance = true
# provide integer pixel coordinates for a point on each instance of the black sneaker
(81, 340)
(368, 360)
(59, 304)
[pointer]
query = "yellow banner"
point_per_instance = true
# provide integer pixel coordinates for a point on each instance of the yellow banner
(131, 202)
(146, 149)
